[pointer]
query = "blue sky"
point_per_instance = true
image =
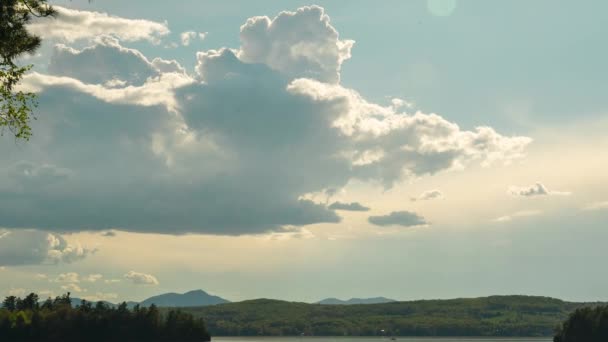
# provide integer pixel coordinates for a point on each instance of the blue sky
(464, 142)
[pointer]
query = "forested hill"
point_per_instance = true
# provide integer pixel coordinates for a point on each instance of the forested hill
(488, 316)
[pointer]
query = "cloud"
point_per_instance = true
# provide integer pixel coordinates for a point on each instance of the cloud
(596, 206)
(232, 149)
(518, 214)
(33, 175)
(71, 25)
(32, 247)
(112, 281)
(188, 36)
(141, 278)
(428, 195)
(70, 277)
(538, 189)
(398, 218)
(18, 292)
(299, 44)
(353, 206)
(92, 278)
(115, 65)
(101, 296)
(72, 288)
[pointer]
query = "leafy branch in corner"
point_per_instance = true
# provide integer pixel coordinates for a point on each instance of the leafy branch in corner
(16, 106)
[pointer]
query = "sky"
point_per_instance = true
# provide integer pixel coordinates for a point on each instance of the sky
(298, 151)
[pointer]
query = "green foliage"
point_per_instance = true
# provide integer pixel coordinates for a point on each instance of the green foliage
(588, 324)
(16, 107)
(489, 316)
(56, 320)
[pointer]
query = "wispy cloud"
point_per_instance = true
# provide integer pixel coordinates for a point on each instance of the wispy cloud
(353, 206)
(518, 214)
(428, 195)
(398, 218)
(537, 189)
(141, 278)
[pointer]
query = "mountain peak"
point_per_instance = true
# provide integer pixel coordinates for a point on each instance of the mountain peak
(190, 298)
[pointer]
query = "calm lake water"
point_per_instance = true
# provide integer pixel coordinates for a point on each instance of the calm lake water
(375, 339)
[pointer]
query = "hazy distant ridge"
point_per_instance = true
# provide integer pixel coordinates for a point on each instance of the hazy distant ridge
(188, 299)
(353, 301)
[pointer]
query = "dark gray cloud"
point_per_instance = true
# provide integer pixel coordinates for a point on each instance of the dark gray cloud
(32, 247)
(353, 206)
(231, 150)
(428, 195)
(398, 218)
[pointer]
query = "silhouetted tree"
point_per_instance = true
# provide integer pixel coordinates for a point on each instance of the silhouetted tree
(25, 320)
(10, 303)
(16, 107)
(585, 325)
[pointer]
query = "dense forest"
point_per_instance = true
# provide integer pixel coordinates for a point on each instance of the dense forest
(489, 316)
(26, 319)
(585, 325)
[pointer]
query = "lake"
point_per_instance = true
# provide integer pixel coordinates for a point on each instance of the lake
(377, 339)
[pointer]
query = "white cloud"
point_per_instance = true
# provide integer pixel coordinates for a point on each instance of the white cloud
(154, 92)
(518, 214)
(299, 44)
(71, 25)
(112, 281)
(101, 296)
(141, 278)
(92, 278)
(189, 36)
(70, 277)
(538, 189)
(428, 195)
(72, 288)
(30, 247)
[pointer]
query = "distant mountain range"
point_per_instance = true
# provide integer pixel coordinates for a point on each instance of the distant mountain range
(353, 301)
(202, 298)
(188, 299)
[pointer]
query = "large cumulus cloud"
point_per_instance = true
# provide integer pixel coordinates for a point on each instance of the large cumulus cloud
(299, 44)
(231, 149)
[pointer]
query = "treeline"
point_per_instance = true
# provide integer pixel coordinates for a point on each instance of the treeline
(28, 319)
(585, 325)
(507, 316)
